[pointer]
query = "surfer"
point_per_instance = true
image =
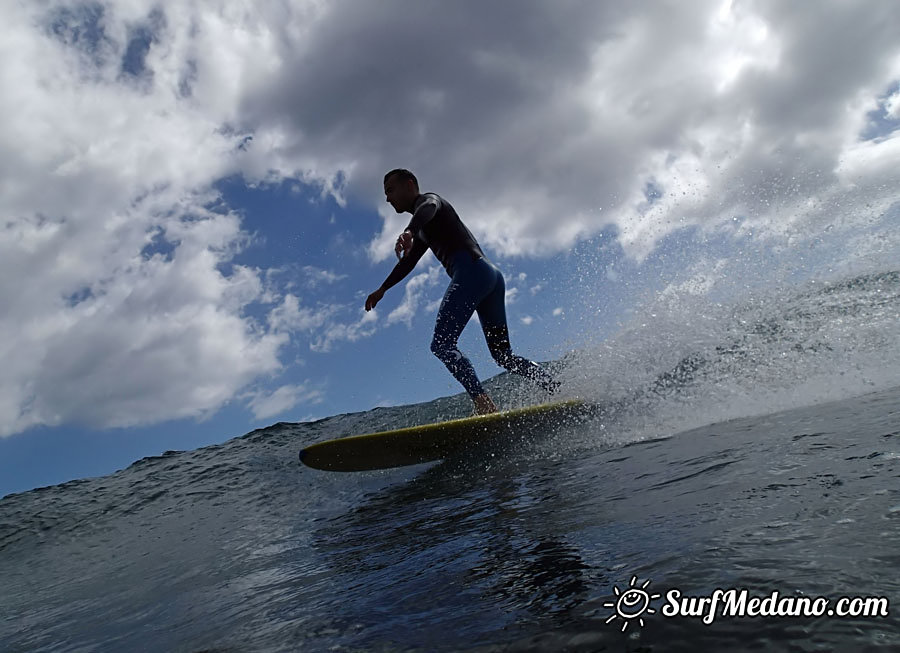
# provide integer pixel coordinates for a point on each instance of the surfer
(476, 285)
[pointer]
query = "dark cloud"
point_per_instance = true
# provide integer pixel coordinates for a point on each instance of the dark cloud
(433, 85)
(553, 111)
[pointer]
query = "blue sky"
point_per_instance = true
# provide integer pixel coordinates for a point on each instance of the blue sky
(193, 212)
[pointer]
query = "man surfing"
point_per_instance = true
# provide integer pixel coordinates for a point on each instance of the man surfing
(476, 286)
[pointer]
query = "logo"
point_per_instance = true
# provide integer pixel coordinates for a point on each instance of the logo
(632, 604)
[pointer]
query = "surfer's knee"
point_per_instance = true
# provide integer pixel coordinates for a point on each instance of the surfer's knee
(445, 351)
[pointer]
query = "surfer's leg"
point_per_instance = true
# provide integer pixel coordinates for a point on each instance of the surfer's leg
(492, 314)
(455, 311)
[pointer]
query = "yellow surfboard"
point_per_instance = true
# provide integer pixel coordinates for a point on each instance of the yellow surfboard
(420, 444)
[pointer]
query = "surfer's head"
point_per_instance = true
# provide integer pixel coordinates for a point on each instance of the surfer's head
(401, 188)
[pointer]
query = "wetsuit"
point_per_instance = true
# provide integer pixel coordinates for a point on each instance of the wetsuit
(476, 286)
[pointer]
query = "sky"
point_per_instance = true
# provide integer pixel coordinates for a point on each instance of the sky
(192, 206)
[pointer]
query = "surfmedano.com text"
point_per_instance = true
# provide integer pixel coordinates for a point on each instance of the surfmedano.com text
(739, 603)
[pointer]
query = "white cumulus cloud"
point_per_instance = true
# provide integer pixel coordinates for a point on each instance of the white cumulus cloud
(542, 123)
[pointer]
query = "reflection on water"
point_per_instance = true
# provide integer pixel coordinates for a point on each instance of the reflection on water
(494, 544)
(523, 552)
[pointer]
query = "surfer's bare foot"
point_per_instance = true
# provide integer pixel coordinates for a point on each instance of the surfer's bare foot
(484, 405)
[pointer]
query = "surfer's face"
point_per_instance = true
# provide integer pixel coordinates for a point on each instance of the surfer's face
(400, 194)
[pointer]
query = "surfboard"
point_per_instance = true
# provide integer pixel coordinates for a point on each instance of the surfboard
(420, 444)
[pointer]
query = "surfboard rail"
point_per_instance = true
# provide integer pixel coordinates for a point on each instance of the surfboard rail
(418, 444)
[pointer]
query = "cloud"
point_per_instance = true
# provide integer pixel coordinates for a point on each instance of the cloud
(553, 120)
(322, 326)
(413, 295)
(290, 316)
(892, 106)
(269, 404)
(315, 277)
(120, 306)
(334, 332)
(542, 123)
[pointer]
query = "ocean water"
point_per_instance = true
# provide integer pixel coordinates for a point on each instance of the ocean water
(753, 446)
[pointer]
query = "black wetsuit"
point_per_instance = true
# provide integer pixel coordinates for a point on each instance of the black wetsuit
(477, 285)
(434, 224)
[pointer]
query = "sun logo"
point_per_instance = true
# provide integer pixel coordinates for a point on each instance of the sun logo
(631, 604)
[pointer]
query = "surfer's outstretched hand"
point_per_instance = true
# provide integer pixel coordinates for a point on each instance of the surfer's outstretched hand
(373, 299)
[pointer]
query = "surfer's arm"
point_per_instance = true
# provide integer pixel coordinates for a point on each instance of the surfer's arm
(424, 213)
(406, 264)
